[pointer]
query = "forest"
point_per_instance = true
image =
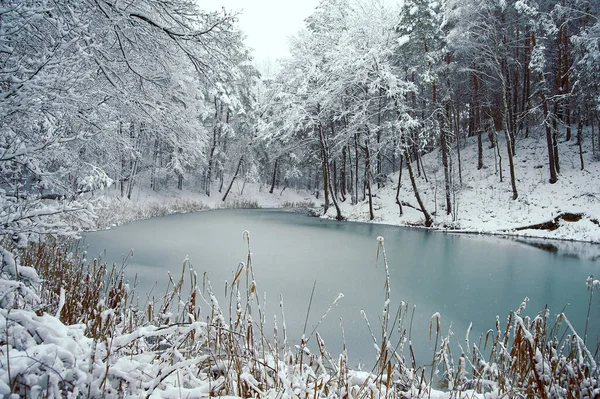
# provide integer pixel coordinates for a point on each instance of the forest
(110, 96)
(100, 94)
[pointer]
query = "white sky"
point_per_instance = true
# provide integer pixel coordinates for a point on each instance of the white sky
(267, 23)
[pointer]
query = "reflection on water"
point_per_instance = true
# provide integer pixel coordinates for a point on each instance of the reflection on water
(465, 278)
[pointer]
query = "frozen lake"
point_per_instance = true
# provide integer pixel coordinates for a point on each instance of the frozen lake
(465, 278)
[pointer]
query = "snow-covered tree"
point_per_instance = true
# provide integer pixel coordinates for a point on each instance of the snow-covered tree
(94, 91)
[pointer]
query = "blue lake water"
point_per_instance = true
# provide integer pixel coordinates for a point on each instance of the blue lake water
(467, 279)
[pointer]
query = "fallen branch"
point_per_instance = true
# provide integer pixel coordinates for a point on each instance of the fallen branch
(555, 223)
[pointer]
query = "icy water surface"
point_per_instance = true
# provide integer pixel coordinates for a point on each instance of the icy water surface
(464, 278)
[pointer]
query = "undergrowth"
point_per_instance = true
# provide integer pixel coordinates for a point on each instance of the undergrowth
(118, 211)
(299, 204)
(72, 328)
(238, 204)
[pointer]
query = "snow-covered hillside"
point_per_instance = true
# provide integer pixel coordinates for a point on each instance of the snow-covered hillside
(483, 204)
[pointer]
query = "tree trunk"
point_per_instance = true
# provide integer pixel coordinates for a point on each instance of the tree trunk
(428, 221)
(511, 166)
(243, 185)
(237, 170)
(509, 135)
(211, 161)
(579, 140)
(444, 149)
(327, 187)
(591, 118)
(497, 155)
(335, 179)
(351, 169)
(416, 151)
(525, 101)
(457, 134)
(325, 180)
(368, 177)
(515, 89)
(479, 150)
(598, 120)
(122, 177)
(356, 168)
(378, 168)
(555, 136)
(131, 182)
(398, 187)
(394, 146)
(477, 122)
(549, 140)
(274, 176)
(510, 115)
(343, 176)
(420, 160)
(324, 169)
(567, 105)
(153, 182)
(317, 183)
(133, 164)
(471, 128)
(563, 80)
(338, 211)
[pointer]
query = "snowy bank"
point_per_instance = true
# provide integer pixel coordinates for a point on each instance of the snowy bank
(483, 204)
(568, 210)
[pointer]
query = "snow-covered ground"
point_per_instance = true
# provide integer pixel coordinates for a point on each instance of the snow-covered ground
(483, 204)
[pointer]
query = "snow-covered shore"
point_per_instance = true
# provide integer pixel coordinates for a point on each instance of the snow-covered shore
(481, 204)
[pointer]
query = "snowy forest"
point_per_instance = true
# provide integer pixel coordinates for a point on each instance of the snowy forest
(163, 95)
(110, 96)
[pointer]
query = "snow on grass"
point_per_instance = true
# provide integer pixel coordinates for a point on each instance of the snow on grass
(146, 203)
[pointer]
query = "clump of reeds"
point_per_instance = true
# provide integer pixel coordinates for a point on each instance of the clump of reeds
(537, 357)
(78, 291)
(238, 204)
(308, 204)
(118, 211)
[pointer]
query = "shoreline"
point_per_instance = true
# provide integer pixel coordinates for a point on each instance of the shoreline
(557, 245)
(317, 212)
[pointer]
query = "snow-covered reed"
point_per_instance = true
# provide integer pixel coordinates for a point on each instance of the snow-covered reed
(238, 204)
(72, 328)
(299, 204)
(114, 211)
